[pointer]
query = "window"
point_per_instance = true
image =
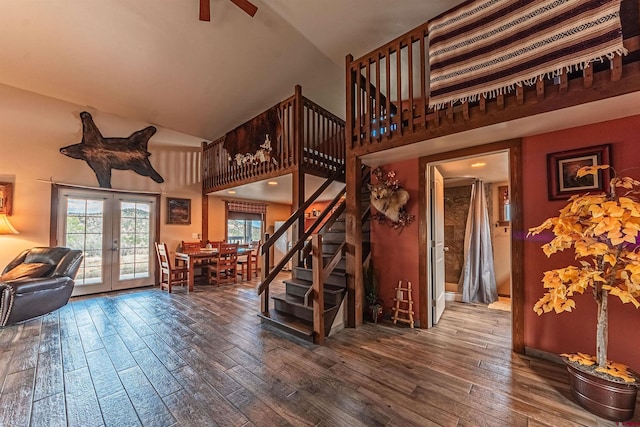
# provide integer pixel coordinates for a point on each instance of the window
(245, 222)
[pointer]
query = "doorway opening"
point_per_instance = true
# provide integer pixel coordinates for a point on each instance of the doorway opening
(461, 231)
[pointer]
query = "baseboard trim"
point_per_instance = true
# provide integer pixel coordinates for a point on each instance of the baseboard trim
(541, 354)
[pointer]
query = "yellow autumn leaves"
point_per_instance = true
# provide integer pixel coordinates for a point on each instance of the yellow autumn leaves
(602, 229)
(617, 370)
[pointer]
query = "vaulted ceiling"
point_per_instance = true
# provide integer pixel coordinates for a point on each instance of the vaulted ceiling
(153, 60)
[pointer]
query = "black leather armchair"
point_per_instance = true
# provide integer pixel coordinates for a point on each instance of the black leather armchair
(36, 282)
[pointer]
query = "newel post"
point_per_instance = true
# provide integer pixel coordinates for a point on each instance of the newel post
(264, 296)
(318, 288)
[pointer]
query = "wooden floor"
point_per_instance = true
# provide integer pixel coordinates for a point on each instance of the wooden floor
(203, 359)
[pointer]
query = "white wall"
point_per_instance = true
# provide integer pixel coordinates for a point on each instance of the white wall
(33, 128)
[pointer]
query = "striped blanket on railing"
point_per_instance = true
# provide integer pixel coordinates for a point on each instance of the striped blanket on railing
(487, 47)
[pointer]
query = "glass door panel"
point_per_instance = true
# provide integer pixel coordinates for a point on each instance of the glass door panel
(116, 233)
(135, 267)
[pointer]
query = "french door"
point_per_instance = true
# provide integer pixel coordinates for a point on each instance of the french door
(115, 231)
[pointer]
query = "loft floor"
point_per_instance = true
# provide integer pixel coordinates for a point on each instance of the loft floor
(203, 359)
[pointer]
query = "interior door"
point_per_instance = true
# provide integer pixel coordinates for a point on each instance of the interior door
(115, 231)
(437, 244)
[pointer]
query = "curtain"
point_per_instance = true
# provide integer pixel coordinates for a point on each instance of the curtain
(478, 280)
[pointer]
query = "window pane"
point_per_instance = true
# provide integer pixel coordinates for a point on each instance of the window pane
(244, 231)
(84, 232)
(135, 237)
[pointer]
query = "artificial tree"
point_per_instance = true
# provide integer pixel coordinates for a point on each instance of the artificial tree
(603, 231)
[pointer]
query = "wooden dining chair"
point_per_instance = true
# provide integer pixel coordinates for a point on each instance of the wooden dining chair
(224, 267)
(169, 274)
(250, 259)
(200, 265)
(192, 246)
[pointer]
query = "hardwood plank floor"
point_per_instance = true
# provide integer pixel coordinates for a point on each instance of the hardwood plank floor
(148, 358)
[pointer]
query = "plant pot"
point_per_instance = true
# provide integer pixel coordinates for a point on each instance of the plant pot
(375, 313)
(607, 399)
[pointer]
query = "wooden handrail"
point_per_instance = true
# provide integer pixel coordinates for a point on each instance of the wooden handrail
(299, 213)
(299, 245)
(335, 214)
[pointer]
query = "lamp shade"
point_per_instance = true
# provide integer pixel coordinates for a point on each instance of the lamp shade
(5, 225)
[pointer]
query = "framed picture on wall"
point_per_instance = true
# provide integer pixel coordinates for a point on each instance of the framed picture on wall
(563, 166)
(178, 211)
(6, 195)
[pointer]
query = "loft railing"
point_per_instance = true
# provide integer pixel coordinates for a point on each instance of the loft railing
(387, 91)
(311, 139)
(322, 138)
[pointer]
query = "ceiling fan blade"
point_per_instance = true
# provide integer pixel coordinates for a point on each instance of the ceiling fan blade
(205, 10)
(247, 6)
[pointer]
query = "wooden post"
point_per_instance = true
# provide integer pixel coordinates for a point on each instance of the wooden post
(318, 289)
(205, 205)
(587, 76)
(540, 89)
(264, 297)
(353, 235)
(616, 68)
(564, 82)
(298, 196)
(520, 94)
(351, 80)
(423, 244)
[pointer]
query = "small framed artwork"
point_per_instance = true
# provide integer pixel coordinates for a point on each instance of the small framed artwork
(6, 197)
(563, 166)
(178, 211)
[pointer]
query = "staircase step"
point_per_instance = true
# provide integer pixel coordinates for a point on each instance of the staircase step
(289, 324)
(337, 277)
(298, 288)
(338, 225)
(330, 248)
(341, 265)
(333, 237)
(294, 306)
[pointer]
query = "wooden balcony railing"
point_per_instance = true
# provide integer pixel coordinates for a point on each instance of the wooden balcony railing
(387, 91)
(311, 139)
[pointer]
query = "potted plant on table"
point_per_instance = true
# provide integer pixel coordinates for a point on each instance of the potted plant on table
(602, 229)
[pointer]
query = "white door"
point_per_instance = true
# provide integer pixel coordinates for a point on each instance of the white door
(115, 231)
(437, 244)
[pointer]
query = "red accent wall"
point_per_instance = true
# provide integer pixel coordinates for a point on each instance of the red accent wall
(395, 252)
(571, 332)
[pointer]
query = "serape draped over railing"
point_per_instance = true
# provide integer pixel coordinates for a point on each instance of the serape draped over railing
(487, 47)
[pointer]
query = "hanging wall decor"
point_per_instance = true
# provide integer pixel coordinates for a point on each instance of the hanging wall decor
(251, 142)
(488, 48)
(104, 154)
(6, 193)
(389, 199)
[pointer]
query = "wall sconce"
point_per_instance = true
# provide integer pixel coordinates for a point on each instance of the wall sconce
(5, 225)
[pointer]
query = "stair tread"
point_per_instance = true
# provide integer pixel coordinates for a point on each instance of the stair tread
(337, 271)
(307, 284)
(299, 301)
(288, 323)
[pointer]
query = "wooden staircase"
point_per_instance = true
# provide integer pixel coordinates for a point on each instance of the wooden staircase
(293, 311)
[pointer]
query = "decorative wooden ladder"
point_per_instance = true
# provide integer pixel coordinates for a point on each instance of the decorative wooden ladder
(404, 315)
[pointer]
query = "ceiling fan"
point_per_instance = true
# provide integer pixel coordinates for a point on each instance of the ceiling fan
(245, 5)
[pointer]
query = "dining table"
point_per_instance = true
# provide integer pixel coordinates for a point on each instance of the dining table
(191, 258)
